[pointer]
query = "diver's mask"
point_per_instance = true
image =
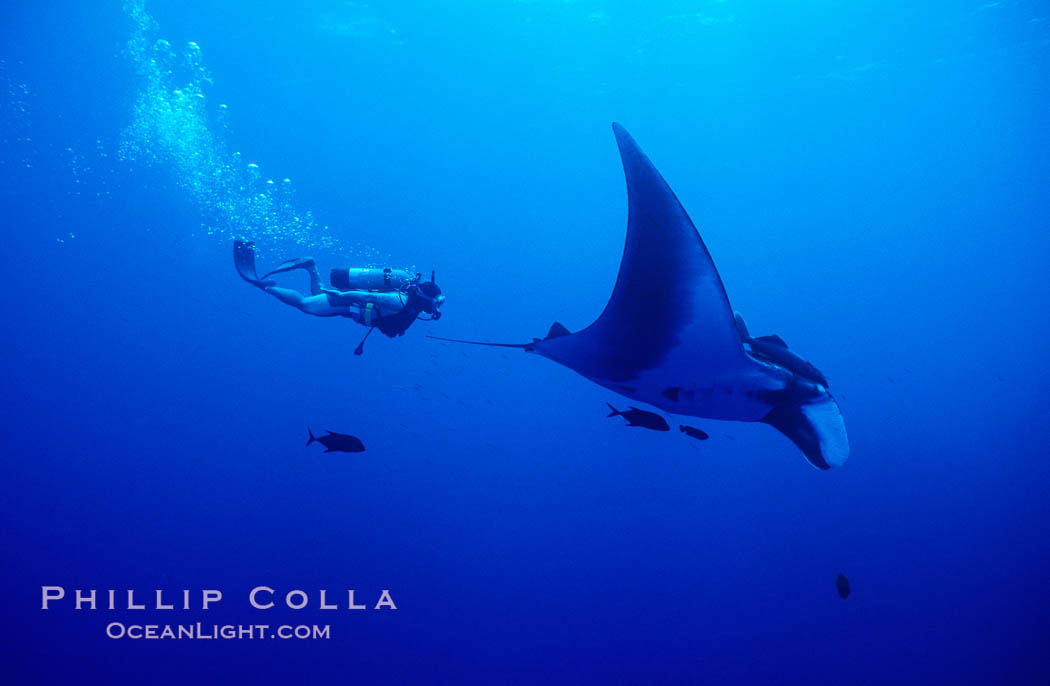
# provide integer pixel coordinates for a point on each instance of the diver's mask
(426, 297)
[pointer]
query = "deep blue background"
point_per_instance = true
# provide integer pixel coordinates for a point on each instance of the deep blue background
(872, 179)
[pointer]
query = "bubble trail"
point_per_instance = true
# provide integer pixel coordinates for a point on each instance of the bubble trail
(171, 126)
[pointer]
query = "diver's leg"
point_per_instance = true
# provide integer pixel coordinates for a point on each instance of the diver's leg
(317, 305)
(385, 303)
(286, 295)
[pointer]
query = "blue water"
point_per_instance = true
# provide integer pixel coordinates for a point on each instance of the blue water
(871, 178)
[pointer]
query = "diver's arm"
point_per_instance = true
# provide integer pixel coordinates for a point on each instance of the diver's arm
(386, 303)
(347, 297)
(394, 316)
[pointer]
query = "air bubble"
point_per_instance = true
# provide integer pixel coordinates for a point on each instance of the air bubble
(173, 127)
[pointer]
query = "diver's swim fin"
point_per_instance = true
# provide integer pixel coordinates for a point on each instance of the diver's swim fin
(244, 261)
(289, 265)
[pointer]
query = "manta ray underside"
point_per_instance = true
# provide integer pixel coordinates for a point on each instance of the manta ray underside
(668, 336)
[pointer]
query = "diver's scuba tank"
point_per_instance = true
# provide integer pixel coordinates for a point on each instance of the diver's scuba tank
(372, 279)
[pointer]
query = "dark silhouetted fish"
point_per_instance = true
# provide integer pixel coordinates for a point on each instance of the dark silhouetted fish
(636, 417)
(842, 583)
(693, 432)
(337, 443)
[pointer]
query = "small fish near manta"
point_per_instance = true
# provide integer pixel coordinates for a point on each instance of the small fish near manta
(636, 417)
(651, 420)
(337, 443)
(693, 432)
(668, 336)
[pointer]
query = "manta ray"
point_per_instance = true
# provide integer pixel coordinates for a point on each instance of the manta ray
(668, 336)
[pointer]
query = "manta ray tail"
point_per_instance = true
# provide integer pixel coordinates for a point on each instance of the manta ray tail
(523, 346)
(816, 428)
(556, 331)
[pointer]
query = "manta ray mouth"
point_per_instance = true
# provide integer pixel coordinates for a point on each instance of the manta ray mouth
(816, 427)
(826, 419)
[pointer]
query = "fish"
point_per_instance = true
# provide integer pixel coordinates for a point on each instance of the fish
(693, 432)
(636, 417)
(842, 584)
(668, 336)
(337, 442)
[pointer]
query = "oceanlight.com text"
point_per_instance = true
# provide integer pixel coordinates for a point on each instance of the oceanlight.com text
(201, 631)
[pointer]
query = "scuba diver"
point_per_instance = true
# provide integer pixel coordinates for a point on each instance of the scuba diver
(386, 299)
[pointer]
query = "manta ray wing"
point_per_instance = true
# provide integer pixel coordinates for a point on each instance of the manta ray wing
(669, 338)
(668, 319)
